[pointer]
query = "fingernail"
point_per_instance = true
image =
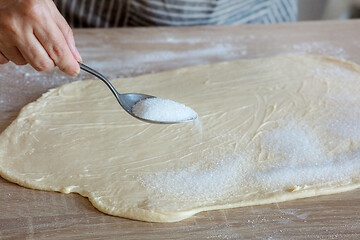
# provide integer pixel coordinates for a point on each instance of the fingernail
(74, 74)
(78, 57)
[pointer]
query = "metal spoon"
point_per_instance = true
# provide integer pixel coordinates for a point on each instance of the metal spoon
(127, 100)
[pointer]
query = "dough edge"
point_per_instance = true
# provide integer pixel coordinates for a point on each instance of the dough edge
(158, 216)
(162, 217)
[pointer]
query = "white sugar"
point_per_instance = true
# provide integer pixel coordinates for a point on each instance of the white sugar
(208, 181)
(292, 142)
(163, 110)
(347, 128)
(302, 161)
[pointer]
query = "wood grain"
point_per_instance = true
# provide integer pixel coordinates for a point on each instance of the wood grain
(33, 214)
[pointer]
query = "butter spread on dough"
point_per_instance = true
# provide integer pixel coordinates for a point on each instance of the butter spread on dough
(274, 129)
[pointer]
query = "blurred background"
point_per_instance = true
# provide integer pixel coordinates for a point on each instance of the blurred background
(328, 9)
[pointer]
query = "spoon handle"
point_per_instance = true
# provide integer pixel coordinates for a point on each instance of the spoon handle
(101, 77)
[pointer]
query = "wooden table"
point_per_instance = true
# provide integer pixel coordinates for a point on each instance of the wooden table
(34, 214)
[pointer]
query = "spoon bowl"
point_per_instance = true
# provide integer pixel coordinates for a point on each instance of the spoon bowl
(127, 100)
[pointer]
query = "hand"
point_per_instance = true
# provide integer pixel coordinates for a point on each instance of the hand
(34, 32)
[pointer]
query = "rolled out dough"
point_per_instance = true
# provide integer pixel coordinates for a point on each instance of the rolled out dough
(273, 129)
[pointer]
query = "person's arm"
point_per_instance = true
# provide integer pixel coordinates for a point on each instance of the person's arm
(34, 32)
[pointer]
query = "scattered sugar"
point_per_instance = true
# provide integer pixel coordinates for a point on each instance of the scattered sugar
(204, 182)
(304, 162)
(132, 63)
(346, 128)
(20, 85)
(163, 110)
(213, 50)
(223, 231)
(293, 142)
(198, 125)
(325, 48)
(346, 75)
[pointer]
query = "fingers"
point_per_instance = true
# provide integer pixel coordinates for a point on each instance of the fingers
(52, 40)
(35, 54)
(35, 32)
(17, 41)
(14, 55)
(25, 48)
(3, 59)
